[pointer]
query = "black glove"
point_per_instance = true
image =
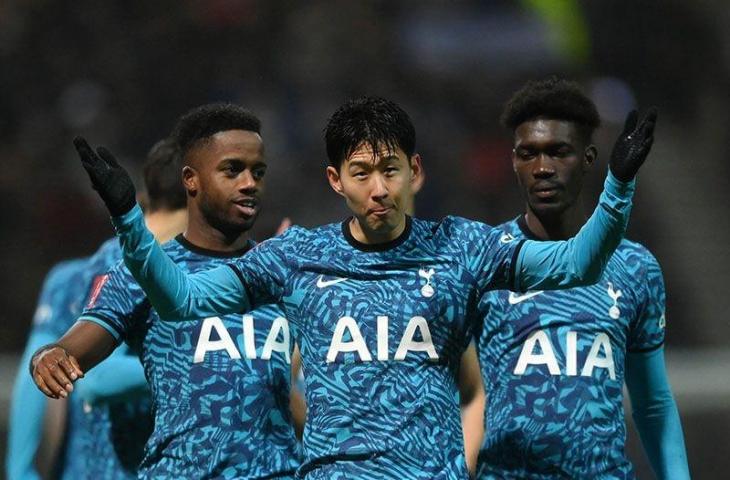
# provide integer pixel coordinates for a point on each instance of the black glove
(633, 145)
(112, 182)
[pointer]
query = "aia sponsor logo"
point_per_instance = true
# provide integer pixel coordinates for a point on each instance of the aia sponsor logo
(96, 287)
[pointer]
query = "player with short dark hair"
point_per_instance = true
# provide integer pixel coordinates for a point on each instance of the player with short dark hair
(372, 121)
(554, 363)
(200, 124)
(553, 98)
(381, 304)
(220, 384)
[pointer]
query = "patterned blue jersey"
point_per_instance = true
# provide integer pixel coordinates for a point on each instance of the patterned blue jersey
(220, 386)
(381, 329)
(116, 432)
(553, 368)
(112, 435)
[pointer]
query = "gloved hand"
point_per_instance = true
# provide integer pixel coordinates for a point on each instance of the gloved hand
(112, 182)
(633, 145)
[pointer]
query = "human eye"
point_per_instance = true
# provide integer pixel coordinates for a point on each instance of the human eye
(258, 173)
(561, 152)
(525, 153)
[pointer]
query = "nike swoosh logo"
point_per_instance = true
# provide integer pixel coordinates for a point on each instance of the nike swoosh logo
(514, 299)
(322, 283)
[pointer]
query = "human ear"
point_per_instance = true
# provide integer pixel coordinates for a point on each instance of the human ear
(333, 176)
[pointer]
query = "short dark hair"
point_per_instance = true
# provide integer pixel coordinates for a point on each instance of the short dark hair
(204, 121)
(371, 120)
(163, 178)
(555, 99)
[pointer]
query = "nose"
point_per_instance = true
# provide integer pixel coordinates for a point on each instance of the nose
(246, 182)
(380, 189)
(543, 167)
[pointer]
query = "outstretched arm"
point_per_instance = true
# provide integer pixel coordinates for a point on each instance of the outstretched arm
(174, 294)
(655, 414)
(580, 261)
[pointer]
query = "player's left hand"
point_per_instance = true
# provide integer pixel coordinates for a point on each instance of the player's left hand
(633, 145)
(112, 181)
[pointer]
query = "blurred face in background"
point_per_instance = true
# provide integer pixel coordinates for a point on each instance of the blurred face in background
(378, 188)
(550, 158)
(224, 177)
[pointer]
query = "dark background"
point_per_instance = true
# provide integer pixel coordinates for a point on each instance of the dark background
(122, 72)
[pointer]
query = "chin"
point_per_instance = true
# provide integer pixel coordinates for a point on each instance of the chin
(237, 225)
(548, 208)
(383, 225)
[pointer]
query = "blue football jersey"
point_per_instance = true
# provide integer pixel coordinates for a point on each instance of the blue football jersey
(62, 297)
(381, 329)
(220, 385)
(552, 363)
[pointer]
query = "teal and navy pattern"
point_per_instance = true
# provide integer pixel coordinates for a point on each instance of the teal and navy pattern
(553, 368)
(114, 433)
(62, 297)
(381, 329)
(220, 386)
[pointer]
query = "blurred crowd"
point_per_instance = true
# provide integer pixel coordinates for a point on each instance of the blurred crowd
(121, 72)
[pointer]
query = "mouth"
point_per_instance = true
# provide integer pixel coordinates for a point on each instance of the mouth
(247, 206)
(380, 211)
(546, 191)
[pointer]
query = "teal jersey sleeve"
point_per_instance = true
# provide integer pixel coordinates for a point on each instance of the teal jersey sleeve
(580, 260)
(173, 293)
(655, 414)
(119, 378)
(115, 303)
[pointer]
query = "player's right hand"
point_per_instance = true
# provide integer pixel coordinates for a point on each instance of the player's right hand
(112, 182)
(54, 371)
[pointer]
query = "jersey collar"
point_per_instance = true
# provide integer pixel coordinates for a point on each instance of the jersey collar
(522, 225)
(376, 247)
(213, 253)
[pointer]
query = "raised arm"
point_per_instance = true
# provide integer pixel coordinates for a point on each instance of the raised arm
(173, 293)
(580, 260)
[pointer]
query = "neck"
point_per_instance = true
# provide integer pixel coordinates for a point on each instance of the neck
(202, 234)
(165, 224)
(372, 237)
(559, 226)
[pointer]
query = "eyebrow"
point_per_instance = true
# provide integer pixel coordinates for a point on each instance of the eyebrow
(364, 164)
(232, 160)
(558, 144)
